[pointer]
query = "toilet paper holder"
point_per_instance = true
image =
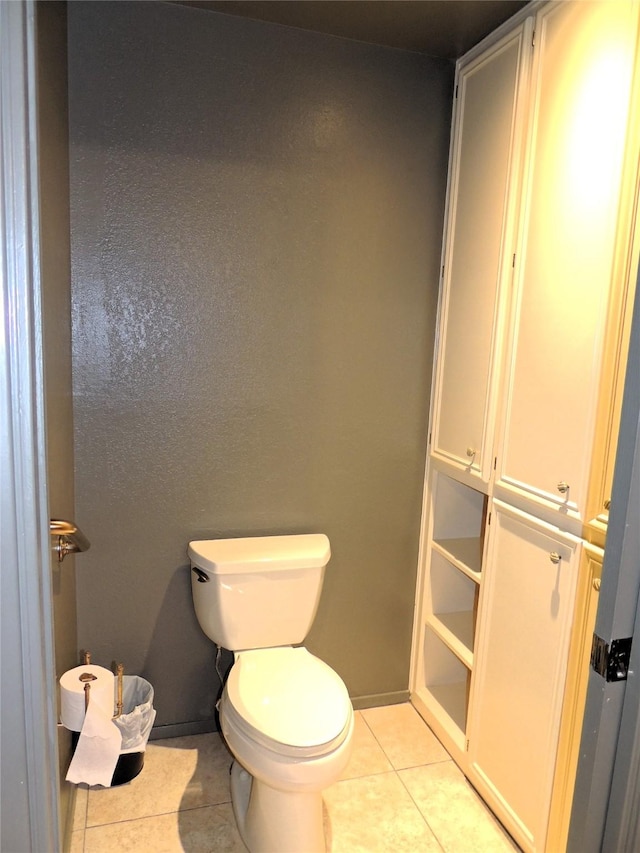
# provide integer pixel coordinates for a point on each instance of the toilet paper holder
(88, 677)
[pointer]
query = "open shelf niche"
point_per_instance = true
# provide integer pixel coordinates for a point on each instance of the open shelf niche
(454, 572)
(455, 563)
(446, 682)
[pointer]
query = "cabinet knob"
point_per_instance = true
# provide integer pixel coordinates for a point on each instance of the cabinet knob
(471, 452)
(555, 557)
(563, 487)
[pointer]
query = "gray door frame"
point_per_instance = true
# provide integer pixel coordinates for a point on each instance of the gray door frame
(28, 686)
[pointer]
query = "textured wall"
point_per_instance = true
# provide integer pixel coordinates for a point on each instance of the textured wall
(256, 226)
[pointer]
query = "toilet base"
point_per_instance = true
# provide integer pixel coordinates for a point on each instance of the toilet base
(272, 821)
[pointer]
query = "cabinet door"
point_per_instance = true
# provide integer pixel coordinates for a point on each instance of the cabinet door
(616, 350)
(478, 251)
(584, 621)
(582, 72)
(521, 663)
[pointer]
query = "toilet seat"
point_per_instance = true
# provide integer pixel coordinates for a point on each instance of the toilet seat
(288, 700)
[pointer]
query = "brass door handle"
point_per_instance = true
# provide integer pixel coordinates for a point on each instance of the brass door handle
(70, 539)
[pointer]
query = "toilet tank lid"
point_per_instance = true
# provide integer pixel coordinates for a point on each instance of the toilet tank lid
(260, 553)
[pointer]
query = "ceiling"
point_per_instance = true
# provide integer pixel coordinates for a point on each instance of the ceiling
(443, 28)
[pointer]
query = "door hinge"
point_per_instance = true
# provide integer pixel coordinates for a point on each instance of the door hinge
(611, 661)
(495, 462)
(533, 39)
(489, 519)
(456, 94)
(429, 440)
(513, 261)
(467, 746)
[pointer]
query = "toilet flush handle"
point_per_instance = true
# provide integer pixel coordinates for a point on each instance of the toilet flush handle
(203, 577)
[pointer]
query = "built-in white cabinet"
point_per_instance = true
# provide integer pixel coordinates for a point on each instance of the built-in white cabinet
(480, 238)
(518, 688)
(583, 64)
(540, 253)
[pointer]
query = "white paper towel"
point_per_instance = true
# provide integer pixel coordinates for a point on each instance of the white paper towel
(72, 694)
(98, 749)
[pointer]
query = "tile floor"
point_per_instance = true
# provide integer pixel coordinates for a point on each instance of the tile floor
(401, 793)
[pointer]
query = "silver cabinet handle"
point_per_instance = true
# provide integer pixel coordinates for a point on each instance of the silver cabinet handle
(71, 540)
(555, 557)
(563, 487)
(471, 452)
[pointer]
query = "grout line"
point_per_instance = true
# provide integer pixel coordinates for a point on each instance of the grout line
(376, 740)
(160, 814)
(86, 807)
(365, 775)
(410, 766)
(426, 763)
(397, 772)
(431, 829)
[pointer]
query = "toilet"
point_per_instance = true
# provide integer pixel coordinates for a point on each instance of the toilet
(285, 715)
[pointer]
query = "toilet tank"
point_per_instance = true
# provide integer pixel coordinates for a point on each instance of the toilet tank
(258, 592)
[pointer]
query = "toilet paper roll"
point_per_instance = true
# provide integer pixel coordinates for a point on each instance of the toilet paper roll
(72, 694)
(98, 749)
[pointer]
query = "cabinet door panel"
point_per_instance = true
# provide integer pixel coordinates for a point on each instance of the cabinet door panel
(521, 664)
(582, 74)
(484, 158)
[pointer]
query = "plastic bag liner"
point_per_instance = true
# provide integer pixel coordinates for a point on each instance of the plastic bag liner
(136, 721)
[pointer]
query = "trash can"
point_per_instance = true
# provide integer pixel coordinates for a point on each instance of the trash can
(135, 724)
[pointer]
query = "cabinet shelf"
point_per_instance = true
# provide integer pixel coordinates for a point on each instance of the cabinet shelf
(453, 600)
(451, 706)
(445, 682)
(456, 630)
(465, 554)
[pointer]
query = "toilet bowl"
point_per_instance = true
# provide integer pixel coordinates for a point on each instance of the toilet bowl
(287, 718)
(285, 715)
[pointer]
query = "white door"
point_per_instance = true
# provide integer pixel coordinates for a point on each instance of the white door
(529, 585)
(582, 72)
(478, 251)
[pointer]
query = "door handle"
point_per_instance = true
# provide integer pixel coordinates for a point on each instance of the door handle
(70, 539)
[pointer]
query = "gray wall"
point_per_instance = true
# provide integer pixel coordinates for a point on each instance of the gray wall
(56, 313)
(256, 226)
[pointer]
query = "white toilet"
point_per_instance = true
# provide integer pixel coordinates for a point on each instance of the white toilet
(286, 716)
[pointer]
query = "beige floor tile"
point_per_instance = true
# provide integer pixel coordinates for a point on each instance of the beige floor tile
(202, 830)
(367, 757)
(77, 841)
(404, 736)
(460, 820)
(375, 814)
(178, 773)
(80, 808)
